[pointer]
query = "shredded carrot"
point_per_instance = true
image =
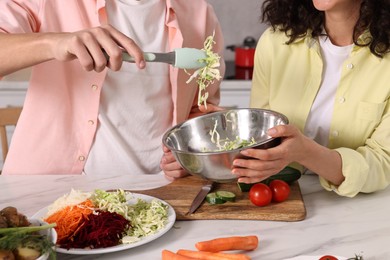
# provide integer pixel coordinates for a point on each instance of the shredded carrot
(69, 218)
(212, 255)
(228, 243)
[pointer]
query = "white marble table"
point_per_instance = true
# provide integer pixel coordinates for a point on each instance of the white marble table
(334, 224)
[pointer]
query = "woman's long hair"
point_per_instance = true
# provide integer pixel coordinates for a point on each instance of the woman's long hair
(297, 17)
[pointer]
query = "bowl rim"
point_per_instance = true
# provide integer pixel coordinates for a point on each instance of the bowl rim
(284, 117)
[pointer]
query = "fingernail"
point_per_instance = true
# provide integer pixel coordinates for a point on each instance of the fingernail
(142, 64)
(244, 152)
(271, 131)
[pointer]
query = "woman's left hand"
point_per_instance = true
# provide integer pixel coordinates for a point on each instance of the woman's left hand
(267, 162)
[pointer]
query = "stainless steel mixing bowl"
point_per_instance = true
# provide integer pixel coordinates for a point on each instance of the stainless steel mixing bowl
(192, 145)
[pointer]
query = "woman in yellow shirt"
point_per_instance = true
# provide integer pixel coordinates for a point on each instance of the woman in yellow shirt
(325, 65)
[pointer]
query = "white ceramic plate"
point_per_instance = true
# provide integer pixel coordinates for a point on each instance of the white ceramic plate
(76, 251)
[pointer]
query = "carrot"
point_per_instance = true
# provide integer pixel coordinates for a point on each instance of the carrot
(69, 218)
(228, 243)
(212, 255)
(169, 255)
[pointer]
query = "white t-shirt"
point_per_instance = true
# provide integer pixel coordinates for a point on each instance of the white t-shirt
(136, 105)
(318, 122)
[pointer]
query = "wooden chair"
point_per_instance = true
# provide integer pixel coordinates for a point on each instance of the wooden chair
(8, 117)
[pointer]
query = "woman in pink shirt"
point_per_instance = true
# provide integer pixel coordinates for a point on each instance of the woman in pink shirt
(83, 114)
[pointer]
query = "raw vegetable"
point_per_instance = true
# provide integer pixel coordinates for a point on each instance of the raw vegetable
(146, 219)
(227, 144)
(220, 197)
(226, 195)
(206, 75)
(213, 199)
(288, 175)
(280, 190)
(212, 255)
(142, 218)
(331, 257)
(260, 195)
(75, 197)
(69, 218)
(228, 243)
(169, 255)
(328, 257)
(98, 230)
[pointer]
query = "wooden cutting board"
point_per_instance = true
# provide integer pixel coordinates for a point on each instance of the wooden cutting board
(180, 194)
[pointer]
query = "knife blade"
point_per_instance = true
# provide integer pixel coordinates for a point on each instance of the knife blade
(200, 197)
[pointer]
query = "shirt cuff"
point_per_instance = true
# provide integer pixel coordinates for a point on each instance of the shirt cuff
(355, 170)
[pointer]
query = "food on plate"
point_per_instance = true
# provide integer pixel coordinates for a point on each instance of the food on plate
(20, 239)
(280, 190)
(101, 219)
(207, 74)
(260, 194)
(69, 219)
(10, 217)
(228, 243)
(212, 255)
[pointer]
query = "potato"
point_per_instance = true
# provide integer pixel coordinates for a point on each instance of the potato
(25, 253)
(6, 255)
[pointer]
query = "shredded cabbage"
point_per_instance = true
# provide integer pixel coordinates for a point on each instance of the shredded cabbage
(75, 197)
(227, 144)
(146, 218)
(206, 75)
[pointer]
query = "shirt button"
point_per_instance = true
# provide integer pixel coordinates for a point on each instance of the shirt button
(94, 87)
(91, 122)
(341, 100)
(350, 66)
(335, 133)
(81, 158)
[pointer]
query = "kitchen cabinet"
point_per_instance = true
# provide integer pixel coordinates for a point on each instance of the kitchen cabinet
(235, 93)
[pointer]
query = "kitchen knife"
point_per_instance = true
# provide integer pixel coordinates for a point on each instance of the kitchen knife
(183, 58)
(200, 197)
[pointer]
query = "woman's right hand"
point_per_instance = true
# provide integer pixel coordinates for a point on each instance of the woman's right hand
(87, 45)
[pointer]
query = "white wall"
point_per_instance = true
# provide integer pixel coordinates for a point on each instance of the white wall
(238, 18)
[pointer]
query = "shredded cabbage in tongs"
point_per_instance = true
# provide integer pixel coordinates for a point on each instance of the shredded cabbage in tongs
(206, 75)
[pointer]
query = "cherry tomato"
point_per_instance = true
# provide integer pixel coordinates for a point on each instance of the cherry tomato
(328, 257)
(280, 190)
(260, 194)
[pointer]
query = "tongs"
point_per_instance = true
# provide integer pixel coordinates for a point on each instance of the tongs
(183, 58)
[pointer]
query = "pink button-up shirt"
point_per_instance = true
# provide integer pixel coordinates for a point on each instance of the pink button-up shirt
(58, 123)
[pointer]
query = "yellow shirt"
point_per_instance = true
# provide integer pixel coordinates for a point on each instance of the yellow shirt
(287, 78)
